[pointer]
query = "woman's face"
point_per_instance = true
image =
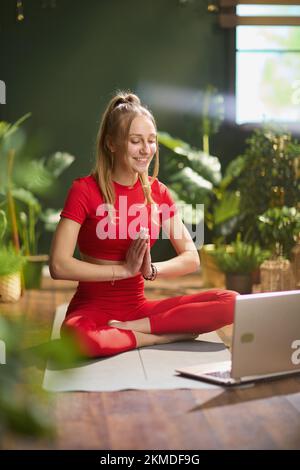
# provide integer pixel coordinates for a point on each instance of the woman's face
(141, 146)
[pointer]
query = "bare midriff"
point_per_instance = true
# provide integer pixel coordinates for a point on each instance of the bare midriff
(91, 259)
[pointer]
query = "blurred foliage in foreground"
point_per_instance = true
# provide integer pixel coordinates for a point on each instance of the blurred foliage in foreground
(24, 405)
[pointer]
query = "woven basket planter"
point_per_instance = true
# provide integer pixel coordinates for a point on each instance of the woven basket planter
(296, 264)
(10, 287)
(276, 275)
(212, 276)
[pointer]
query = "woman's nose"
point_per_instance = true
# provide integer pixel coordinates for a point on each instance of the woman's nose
(145, 148)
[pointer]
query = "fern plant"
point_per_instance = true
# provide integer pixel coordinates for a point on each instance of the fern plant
(10, 261)
(242, 258)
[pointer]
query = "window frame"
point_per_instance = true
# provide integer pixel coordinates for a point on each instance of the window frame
(293, 127)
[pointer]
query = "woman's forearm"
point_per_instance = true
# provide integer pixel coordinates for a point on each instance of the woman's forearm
(73, 269)
(184, 263)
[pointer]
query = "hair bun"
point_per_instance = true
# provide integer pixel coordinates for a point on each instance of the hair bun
(126, 98)
(132, 98)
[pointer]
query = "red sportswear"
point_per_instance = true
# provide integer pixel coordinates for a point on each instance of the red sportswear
(95, 303)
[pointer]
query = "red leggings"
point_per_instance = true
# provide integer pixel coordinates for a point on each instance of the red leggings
(88, 315)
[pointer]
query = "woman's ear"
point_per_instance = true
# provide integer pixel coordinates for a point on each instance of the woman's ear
(109, 144)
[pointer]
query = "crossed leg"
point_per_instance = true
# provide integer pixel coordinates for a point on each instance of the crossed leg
(195, 313)
(157, 322)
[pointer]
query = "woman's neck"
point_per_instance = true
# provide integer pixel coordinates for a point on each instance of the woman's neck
(125, 179)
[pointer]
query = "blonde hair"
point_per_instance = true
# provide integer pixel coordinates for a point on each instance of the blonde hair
(115, 124)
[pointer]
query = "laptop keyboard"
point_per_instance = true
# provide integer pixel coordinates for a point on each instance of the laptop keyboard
(224, 374)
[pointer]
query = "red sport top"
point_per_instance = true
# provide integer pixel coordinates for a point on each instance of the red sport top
(103, 238)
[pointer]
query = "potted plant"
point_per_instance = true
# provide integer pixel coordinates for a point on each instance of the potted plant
(27, 182)
(238, 263)
(11, 264)
(266, 176)
(279, 228)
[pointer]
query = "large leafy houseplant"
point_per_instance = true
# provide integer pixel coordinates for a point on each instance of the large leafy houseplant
(279, 228)
(266, 176)
(23, 186)
(194, 177)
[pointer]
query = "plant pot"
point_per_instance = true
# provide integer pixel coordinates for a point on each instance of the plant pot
(276, 275)
(212, 276)
(241, 283)
(256, 276)
(10, 287)
(33, 271)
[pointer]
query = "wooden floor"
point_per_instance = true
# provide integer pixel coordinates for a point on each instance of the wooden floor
(264, 416)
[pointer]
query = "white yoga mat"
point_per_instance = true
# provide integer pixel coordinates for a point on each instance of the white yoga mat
(151, 367)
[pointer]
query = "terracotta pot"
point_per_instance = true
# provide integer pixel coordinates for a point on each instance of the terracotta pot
(241, 283)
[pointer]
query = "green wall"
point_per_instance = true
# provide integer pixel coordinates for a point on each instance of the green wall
(64, 63)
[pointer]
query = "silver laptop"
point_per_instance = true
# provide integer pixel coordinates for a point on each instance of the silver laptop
(266, 341)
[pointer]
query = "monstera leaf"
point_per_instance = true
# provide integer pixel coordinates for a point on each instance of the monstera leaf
(207, 166)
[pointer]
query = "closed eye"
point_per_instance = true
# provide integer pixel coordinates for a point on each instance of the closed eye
(137, 141)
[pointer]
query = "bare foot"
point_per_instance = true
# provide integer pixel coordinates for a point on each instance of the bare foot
(161, 339)
(119, 324)
(142, 325)
(145, 339)
(174, 337)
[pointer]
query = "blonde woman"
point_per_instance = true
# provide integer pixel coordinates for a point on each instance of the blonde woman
(115, 214)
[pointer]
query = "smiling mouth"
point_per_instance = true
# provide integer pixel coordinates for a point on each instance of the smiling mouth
(142, 160)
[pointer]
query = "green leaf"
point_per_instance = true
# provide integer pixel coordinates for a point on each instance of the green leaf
(207, 166)
(33, 176)
(25, 196)
(10, 261)
(227, 208)
(239, 257)
(7, 129)
(192, 179)
(51, 218)
(58, 162)
(3, 224)
(233, 171)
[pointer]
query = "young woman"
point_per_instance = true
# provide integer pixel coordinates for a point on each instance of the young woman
(115, 214)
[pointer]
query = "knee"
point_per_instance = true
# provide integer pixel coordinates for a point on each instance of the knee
(83, 332)
(228, 295)
(95, 341)
(227, 299)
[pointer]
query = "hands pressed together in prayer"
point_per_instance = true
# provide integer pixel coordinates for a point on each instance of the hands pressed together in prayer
(138, 256)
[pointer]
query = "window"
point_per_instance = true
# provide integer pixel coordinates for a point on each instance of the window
(267, 65)
(267, 73)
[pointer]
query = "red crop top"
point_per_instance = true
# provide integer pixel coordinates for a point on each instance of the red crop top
(102, 238)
